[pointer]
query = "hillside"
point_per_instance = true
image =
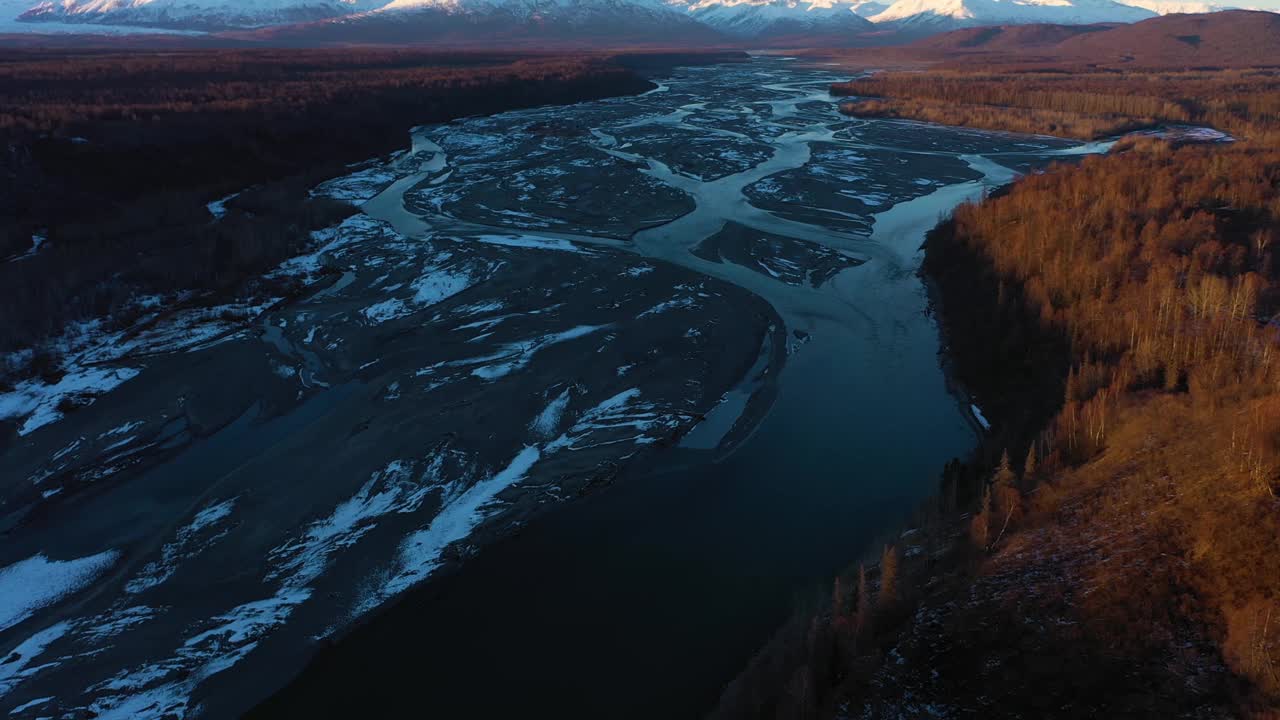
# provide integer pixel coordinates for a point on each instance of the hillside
(1226, 39)
(1029, 79)
(1133, 538)
(767, 19)
(1003, 38)
(1109, 549)
(1084, 105)
(476, 23)
(1233, 38)
(567, 26)
(940, 15)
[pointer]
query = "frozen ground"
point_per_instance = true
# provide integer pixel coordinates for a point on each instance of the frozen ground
(529, 302)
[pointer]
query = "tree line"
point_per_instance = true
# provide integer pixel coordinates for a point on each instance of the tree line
(1154, 267)
(1085, 105)
(1110, 548)
(112, 157)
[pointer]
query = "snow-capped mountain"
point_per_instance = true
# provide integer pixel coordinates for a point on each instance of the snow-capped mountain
(764, 18)
(508, 22)
(193, 14)
(529, 9)
(868, 8)
(949, 14)
(583, 22)
(389, 20)
(1171, 7)
(410, 20)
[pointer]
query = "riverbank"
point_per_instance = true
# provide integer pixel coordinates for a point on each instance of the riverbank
(210, 189)
(531, 305)
(1076, 576)
(1075, 104)
(1123, 469)
(701, 549)
(422, 394)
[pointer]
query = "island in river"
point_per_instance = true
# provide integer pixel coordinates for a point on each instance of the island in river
(703, 298)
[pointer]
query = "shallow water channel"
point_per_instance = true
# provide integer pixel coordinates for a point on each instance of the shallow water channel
(645, 599)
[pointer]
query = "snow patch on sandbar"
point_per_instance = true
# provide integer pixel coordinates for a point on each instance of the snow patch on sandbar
(37, 582)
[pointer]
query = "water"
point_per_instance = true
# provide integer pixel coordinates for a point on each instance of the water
(528, 309)
(645, 599)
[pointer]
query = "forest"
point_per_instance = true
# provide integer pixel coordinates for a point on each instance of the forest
(1110, 548)
(1084, 105)
(112, 156)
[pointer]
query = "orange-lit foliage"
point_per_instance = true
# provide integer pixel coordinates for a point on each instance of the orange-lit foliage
(1157, 266)
(1079, 104)
(1156, 263)
(989, 117)
(1114, 319)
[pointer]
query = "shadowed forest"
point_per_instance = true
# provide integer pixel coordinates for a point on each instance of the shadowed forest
(1109, 551)
(111, 158)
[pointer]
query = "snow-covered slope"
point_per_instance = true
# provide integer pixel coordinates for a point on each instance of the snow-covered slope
(193, 14)
(1170, 7)
(563, 23)
(530, 8)
(593, 21)
(763, 18)
(868, 8)
(948, 14)
(415, 20)
(392, 20)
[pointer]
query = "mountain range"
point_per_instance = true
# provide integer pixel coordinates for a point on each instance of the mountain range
(1226, 39)
(576, 22)
(193, 14)
(949, 14)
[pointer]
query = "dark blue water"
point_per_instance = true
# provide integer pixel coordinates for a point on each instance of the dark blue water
(644, 599)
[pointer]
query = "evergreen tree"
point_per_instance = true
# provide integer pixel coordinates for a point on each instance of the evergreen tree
(1008, 501)
(838, 601)
(980, 525)
(888, 576)
(862, 618)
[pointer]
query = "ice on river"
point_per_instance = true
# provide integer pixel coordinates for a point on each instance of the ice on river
(548, 421)
(518, 355)
(203, 531)
(529, 241)
(408, 322)
(37, 582)
(39, 403)
(460, 512)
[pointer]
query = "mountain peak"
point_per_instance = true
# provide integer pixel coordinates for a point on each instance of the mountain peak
(961, 13)
(764, 18)
(586, 22)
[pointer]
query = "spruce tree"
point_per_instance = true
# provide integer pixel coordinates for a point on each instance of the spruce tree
(888, 576)
(980, 526)
(1008, 501)
(862, 620)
